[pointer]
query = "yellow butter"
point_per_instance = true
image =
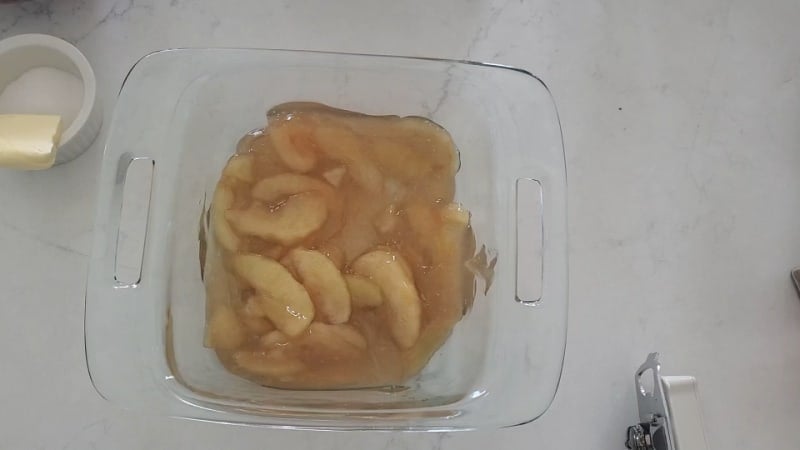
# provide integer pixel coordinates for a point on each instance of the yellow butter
(29, 141)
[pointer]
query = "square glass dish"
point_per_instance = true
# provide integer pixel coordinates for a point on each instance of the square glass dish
(178, 118)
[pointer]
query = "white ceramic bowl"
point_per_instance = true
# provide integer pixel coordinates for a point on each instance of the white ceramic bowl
(23, 52)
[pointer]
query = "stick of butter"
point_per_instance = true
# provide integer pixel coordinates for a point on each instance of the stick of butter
(29, 141)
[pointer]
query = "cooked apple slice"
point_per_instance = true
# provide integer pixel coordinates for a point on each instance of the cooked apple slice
(390, 272)
(282, 299)
(254, 318)
(290, 316)
(324, 284)
(224, 330)
(455, 223)
(335, 175)
(341, 144)
(294, 143)
(222, 201)
(287, 224)
(363, 292)
(334, 253)
(336, 342)
(240, 167)
(278, 187)
(274, 338)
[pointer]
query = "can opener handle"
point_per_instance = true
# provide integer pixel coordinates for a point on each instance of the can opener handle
(669, 411)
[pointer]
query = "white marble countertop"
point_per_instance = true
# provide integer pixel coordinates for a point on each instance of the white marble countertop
(681, 122)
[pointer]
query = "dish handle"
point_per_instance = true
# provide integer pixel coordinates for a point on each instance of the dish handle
(134, 184)
(529, 262)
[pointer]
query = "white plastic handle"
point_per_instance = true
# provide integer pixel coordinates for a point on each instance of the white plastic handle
(684, 408)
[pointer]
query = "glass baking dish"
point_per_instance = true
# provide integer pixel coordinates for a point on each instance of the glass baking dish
(179, 116)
